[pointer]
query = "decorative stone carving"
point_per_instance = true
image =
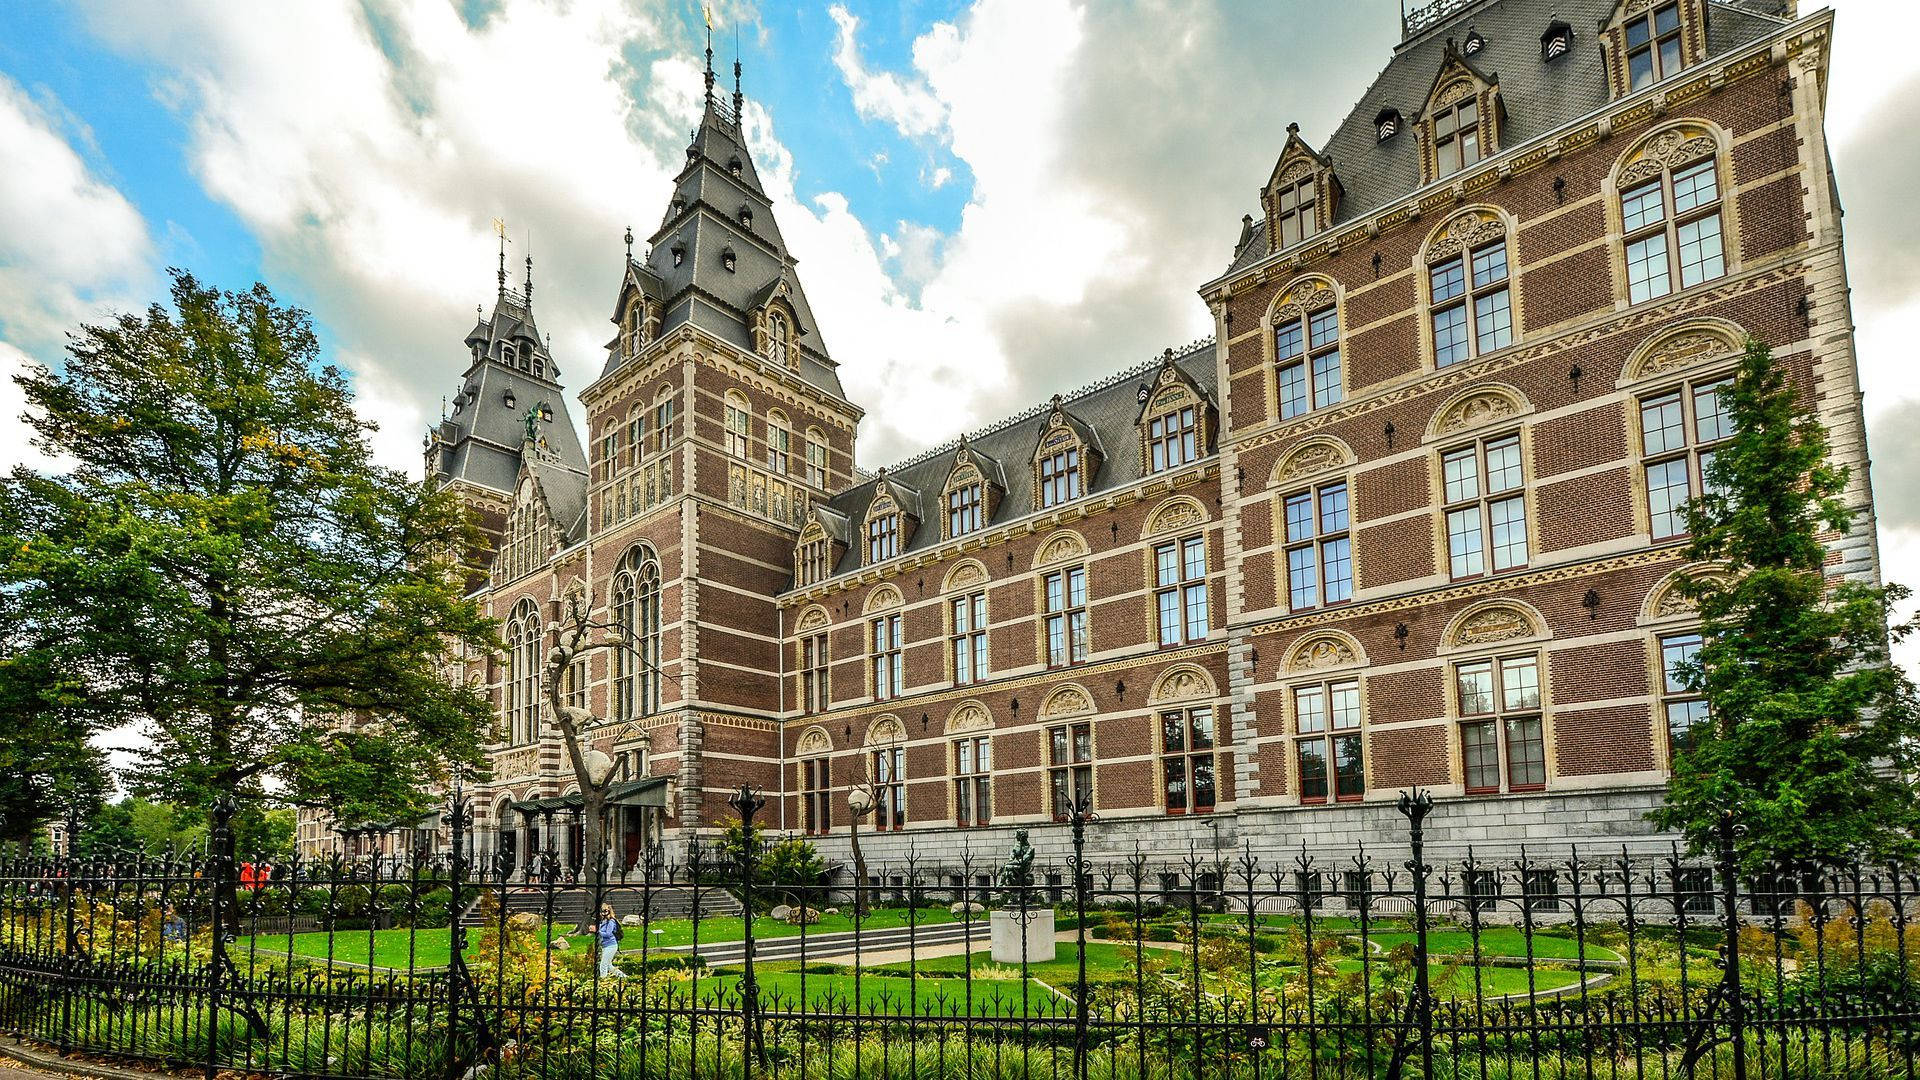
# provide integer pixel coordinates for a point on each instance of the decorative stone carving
(1175, 514)
(1296, 300)
(1323, 651)
(1454, 91)
(1466, 231)
(969, 717)
(886, 731)
(814, 741)
(1062, 546)
(1474, 410)
(882, 598)
(1668, 149)
(1295, 170)
(1492, 624)
(811, 619)
(1182, 684)
(967, 573)
(1066, 701)
(1683, 348)
(1311, 458)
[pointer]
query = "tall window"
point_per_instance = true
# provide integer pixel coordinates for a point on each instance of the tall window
(1684, 708)
(969, 641)
(779, 339)
(636, 624)
(1069, 765)
(816, 798)
(973, 780)
(814, 558)
(739, 429)
(1653, 46)
(1501, 741)
(1456, 137)
(1319, 547)
(816, 462)
(1173, 440)
(779, 445)
(1180, 589)
(1060, 476)
(1486, 507)
(1672, 231)
(889, 765)
(1186, 759)
(963, 509)
(1307, 351)
(883, 537)
(889, 670)
(813, 673)
(1066, 599)
(1328, 746)
(1472, 310)
(1294, 204)
(523, 675)
(1678, 432)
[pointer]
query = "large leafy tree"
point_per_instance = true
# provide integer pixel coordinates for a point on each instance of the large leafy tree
(225, 568)
(1810, 750)
(49, 767)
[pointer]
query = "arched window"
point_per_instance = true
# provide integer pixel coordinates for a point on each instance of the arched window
(636, 624)
(816, 458)
(739, 422)
(779, 338)
(1670, 214)
(779, 443)
(1306, 354)
(523, 674)
(1469, 288)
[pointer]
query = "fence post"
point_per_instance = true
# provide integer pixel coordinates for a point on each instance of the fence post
(70, 959)
(1416, 805)
(747, 802)
(1730, 895)
(459, 816)
(1079, 812)
(220, 869)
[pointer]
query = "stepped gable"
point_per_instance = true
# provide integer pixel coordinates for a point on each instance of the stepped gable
(1107, 414)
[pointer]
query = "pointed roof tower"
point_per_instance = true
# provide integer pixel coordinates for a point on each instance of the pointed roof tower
(718, 259)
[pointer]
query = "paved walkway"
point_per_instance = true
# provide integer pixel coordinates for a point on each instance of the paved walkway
(20, 1061)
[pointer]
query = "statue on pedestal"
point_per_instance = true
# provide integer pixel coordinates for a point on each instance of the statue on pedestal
(1016, 874)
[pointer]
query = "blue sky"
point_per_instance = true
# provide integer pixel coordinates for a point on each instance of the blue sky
(991, 200)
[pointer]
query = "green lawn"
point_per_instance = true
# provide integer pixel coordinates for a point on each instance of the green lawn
(428, 948)
(1498, 941)
(1458, 981)
(782, 990)
(1103, 962)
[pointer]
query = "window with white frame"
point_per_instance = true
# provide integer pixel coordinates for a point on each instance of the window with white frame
(1319, 547)
(1180, 590)
(779, 444)
(968, 641)
(1065, 594)
(1472, 307)
(1293, 205)
(1679, 431)
(883, 537)
(1683, 706)
(889, 657)
(889, 773)
(1671, 230)
(1486, 508)
(1327, 741)
(1306, 355)
(1653, 46)
(1456, 136)
(973, 781)
(816, 461)
(1187, 759)
(1502, 742)
(637, 641)
(739, 424)
(1173, 439)
(814, 689)
(964, 510)
(1060, 476)
(814, 562)
(1069, 765)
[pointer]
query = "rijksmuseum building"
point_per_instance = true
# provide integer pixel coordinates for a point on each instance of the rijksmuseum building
(1412, 516)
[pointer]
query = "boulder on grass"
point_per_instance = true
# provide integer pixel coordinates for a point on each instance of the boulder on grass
(966, 909)
(561, 944)
(831, 911)
(780, 912)
(630, 921)
(524, 920)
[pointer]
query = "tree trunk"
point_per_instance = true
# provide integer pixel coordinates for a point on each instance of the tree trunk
(593, 796)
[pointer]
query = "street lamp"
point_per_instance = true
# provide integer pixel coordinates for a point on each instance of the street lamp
(860, 802)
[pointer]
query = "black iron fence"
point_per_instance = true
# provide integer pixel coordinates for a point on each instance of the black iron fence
(745, 963)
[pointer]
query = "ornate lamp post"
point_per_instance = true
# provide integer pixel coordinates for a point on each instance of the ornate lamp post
(860, 802)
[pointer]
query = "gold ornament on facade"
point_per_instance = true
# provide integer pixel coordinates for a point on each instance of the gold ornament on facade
(1668, 149)
(1310, 295)
(967, 573)
(1684, 348)
(814, 741)
(1175, 514)
(1066, 701)
(811, 619)
(969, 717)
(1066, 545)
(1182, 684)
(1466, 231)
(1499, 623)
(1321, 651)
(886, 730)
(1452, 92)
(1475, 410)
(1313, 457)
(882, 598)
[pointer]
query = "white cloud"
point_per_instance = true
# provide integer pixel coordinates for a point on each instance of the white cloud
(71, 246)
(908, 106)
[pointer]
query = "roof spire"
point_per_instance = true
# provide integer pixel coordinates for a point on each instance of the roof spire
(708, 12)
(500, 230)
(629, 243)
(528, 288)
(738, 99)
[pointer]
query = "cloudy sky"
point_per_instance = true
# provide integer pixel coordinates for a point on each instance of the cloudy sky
(991, 201)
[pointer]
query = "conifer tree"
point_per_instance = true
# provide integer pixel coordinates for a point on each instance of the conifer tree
(1810, 745)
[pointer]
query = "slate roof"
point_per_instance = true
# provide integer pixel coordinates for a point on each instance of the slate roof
(483, 439)
(1539, 95)
(703, 222)
(1107, 411)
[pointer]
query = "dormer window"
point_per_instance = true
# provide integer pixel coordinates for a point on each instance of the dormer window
(1294, 204)
(507, 355)
(728, 260)
(733, 168)
(1456, 136)
(814, 561)
(883, 537)
(1653, 46)
(779, 338)
(679, 254)
(1060, 475)
(678, 204)
(746, 217)
(1556, 42)
(1473, 44)
(1387, 124)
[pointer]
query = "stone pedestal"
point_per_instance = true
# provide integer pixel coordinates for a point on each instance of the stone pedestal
(1021, 935)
